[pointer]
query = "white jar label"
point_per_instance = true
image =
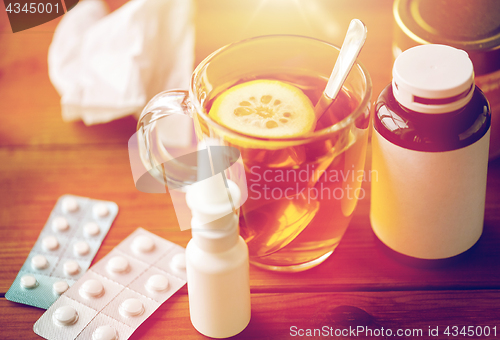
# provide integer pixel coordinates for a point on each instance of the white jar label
(428, 205)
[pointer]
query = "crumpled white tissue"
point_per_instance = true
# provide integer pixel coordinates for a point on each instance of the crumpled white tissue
(106, 66)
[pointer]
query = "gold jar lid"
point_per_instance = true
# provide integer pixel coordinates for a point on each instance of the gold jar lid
(473, 26)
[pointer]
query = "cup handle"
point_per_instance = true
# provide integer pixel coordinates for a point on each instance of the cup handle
(145, 152)
(165, 104)
(155, 170)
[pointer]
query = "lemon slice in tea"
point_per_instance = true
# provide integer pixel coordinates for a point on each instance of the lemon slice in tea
(265, 109)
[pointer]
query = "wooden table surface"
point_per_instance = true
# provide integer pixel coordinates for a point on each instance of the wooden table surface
(361, 284)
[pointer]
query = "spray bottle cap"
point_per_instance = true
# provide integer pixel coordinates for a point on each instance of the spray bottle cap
(213, 196)
(212, 200)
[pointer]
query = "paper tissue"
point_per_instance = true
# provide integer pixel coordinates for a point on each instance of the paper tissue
(107, 66)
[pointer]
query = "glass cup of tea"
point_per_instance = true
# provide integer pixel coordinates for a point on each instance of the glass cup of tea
(303, 176)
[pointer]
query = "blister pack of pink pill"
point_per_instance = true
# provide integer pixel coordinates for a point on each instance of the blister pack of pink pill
(118, 293)
(64, 250)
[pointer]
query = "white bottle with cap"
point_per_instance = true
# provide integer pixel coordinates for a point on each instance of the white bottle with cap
(430, 155)
(217, 262)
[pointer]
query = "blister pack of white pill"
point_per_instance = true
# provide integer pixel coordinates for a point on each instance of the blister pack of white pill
(118, 293)
(64, 250)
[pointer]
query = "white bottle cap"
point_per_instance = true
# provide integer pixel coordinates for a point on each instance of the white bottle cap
(433, 79)
(60, 287)
(117, 264)
(50, 243)
(81, 248)
(157, 283)
(105, 332)
(28, 281)
(60, 224)
(91, 229)
(143, 244)
(131, 307)
(39, 262)
(71, 267)
(65, 316)
(91, 289)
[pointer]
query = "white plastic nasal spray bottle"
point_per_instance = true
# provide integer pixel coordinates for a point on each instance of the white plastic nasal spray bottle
(217, 262)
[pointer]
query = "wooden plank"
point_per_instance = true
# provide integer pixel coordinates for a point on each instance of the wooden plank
(31, 180)
(275, 314)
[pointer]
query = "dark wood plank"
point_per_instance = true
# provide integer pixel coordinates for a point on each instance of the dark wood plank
(274, 315)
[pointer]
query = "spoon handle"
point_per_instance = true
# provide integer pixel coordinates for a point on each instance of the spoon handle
(353, 42)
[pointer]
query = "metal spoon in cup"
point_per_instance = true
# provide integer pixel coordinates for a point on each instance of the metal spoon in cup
(353, 42)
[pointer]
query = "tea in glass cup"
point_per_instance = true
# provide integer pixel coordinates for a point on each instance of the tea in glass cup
(303, 176)
(303, 180)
